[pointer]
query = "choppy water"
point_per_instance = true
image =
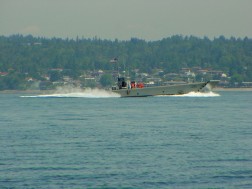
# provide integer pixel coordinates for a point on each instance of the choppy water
(92, 141)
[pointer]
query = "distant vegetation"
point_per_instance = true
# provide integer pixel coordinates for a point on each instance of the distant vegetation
(23, 57)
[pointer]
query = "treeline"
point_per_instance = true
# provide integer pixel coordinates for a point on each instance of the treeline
(34, 56)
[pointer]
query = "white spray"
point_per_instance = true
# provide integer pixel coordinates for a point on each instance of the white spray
(64, 92)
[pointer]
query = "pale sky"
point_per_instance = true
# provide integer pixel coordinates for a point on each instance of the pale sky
(123, 19)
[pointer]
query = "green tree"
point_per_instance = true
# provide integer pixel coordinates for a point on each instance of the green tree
(55, 76)
(236, 78)
(106, 80)
(34, 56)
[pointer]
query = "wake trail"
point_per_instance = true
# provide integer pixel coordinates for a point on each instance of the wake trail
(73, 92)
(77, 93)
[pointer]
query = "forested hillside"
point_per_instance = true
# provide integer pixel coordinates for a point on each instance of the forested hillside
(23, 56)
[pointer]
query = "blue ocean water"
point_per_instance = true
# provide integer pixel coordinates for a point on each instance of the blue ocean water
(96, 141)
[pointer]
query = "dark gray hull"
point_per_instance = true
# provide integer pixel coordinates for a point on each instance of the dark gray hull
(166, 90)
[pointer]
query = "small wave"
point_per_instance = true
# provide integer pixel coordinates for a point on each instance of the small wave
(198, 94)
(77, 93)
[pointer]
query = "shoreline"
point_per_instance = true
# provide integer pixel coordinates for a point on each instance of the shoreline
(26, 91)
(231, 89)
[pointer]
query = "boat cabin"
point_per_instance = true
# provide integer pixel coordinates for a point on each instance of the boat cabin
(122, 84)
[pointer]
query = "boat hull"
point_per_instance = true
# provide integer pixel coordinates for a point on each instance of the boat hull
(166, 90)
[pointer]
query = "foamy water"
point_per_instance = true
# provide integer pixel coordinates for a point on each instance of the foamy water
(78, 93)
(199, 94)
(194, 94)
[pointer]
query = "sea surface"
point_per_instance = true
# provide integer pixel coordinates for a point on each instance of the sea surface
(93, 139)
